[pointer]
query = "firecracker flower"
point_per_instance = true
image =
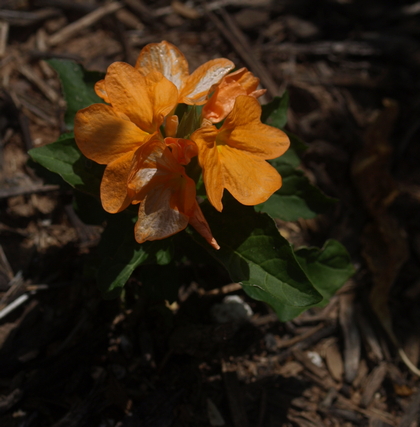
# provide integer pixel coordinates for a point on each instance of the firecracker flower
(234, 156)
(115, 134)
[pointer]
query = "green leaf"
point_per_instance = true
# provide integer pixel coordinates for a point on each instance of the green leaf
(78, 87)
(328, 268)
(64, 157)
(275, 112)
(255, 254)
(121, 254)
(293, 155)
(297, 198)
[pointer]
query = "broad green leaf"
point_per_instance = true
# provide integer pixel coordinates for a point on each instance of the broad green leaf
(255, 254)
(78, 87)
(64, 157)
(275, 112)
(328, 268)
(297, 198)
(121, 254)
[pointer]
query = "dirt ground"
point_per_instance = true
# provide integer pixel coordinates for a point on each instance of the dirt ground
(70, 359)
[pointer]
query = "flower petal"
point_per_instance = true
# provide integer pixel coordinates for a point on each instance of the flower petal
(250, 179)
(198, 84)
(198, 221)
(165, 58)
(103, 135)
(208, 157)
(240, 82)
(144, 100)
(157, 219)
(114, 194)
(183, 150)
(243, 130)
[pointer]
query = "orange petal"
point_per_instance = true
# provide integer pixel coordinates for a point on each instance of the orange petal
(100, 90)
(165, 58)
(103, 135)
(144, 167)
(145, 100)
(222, 102)
(198, 221)
(114, 195)
(250, 179)
(183, 150)
(241, 82)
(208, 157)
(198, 84)
(244, 131)
(157, 219)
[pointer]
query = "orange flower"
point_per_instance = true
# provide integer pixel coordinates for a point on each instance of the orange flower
(165, 193)
(170, 61)
(233, 157)
(241, 82)
(141, 168)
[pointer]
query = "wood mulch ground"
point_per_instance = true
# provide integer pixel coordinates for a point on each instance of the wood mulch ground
(70, 359)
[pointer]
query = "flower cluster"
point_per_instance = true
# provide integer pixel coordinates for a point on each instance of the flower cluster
(137, 135)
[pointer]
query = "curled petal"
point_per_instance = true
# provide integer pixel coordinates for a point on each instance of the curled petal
(198, 84)
(198, 221)
(182, 149)
(103, 135)
(101, 91)
(250, 179)
(243, 130)
(241, 82)
(114, 196)
(165, 58)
(157, 219)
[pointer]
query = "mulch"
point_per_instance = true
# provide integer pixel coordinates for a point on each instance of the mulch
(68, 358)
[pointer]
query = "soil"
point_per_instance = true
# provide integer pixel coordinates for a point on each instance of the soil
(68, 358)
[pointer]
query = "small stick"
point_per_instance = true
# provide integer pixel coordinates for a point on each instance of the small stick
(13, 305)
(75, 27)
(18, 191)
(5, 264)
(239, 42)
(4, 33)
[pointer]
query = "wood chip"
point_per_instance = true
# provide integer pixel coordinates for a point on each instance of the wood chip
(304, 359)
(4, 33)
(351, 334)
(185, 11)
(334, 361)
(235, 397)
(373, 383)
(29, 73)
(373, 348)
